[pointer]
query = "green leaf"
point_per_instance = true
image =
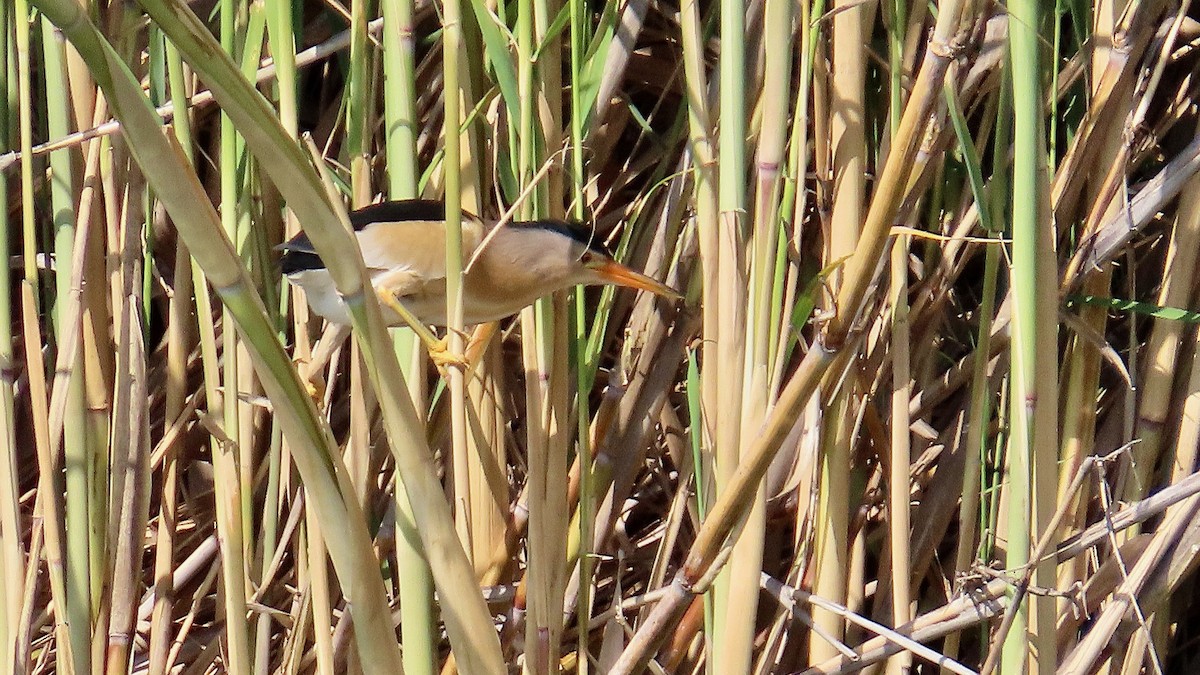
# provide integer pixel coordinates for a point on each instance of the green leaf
(1146, 308)
(496, 39)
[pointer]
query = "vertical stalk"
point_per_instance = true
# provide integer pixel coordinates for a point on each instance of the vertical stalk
(583, 450)
(898, 481)
(282, 42)
(1030, 454)
(702, 150)
(549, 512)
(180, 341)
(418, 622)
(225, 454)
(358, 106)
(901, 454)
(731, 630)
(12, 555)
(62, 194)
(46, 507)
(991, 207)
(849, 164)
(452, 45)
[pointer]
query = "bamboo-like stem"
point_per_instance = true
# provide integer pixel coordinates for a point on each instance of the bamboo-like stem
(452, 46)
(48, 461)
(358, 107)
(281, 41)
(11, 550)
(1032, 447)
(900, 459)
(899, 517)
(583, 449)
(701, 148)
(848, 142)
(550, 508)
(320, 594)
(226, 455)
(356, 453)
(399, 87)
(732, 628)
(418, 622)
(78, 615)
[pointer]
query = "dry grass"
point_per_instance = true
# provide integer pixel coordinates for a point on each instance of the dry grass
(869, 206)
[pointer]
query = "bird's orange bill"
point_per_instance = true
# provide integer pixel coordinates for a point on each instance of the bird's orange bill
(616, 273)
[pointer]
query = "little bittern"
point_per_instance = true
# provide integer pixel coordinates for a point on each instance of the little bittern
(403, 244)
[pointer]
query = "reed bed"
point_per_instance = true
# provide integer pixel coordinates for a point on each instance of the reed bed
(930, 402)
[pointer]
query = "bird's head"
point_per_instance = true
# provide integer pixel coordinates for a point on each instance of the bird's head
(551, 255)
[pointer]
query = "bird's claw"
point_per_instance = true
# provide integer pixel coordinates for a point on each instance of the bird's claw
(442, 357)
(310, 378)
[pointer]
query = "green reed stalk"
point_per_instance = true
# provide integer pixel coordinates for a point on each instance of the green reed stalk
(583, 448)
(702, 150)
(991, 210)
(359, 106)
(418, 622)
(281, 39)
(62, 193)
(732, 630)
(552, 509)
(225, 455)
(48, 508)
(1032, 248)
(798, 157)
(11, 555)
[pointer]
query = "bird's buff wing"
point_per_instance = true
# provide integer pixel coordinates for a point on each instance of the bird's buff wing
(412, 253)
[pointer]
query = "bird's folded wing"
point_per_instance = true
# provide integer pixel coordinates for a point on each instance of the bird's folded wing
(413, 247)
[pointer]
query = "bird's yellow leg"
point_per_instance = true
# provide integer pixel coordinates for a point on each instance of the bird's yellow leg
(312, 366)
(439, 352)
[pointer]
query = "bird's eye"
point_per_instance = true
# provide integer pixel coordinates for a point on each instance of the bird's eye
(587, 258)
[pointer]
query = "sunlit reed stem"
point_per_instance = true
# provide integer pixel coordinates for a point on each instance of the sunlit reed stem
(418, 622)
(225, 454)
(11, 555)
(901, 454)
(10, 531)
(1033, 450)
(62, 195)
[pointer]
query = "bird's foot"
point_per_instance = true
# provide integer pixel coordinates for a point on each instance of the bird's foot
(439, 350)
(310, 378)
(443, 358)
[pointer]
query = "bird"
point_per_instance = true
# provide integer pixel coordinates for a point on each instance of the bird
(506, 267)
